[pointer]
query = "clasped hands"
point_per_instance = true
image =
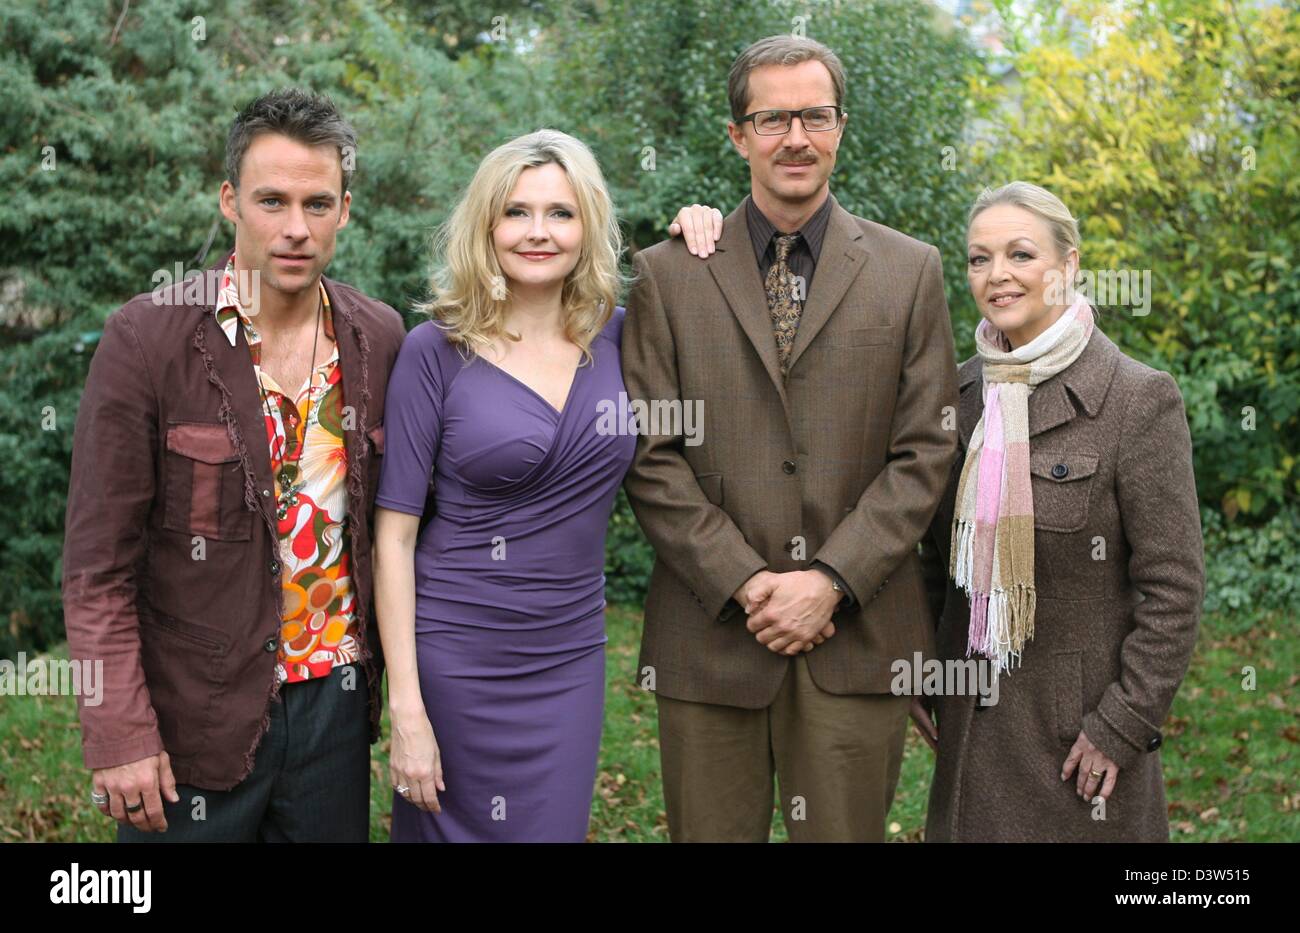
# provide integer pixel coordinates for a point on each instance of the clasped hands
(789, 612)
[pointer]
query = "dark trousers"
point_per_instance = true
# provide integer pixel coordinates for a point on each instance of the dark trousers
(310, 780)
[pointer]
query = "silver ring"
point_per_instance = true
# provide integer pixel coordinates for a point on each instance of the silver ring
(98, 799)
(402, 789)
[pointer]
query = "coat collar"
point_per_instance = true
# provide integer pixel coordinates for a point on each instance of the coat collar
(843, 257)
(1081, 386)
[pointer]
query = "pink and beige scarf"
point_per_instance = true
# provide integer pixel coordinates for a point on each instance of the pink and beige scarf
(992, 557)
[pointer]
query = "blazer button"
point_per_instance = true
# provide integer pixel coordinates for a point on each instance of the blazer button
(275, 567)
(271, 644)
(1060, 471)
(1154, 743)
(788, 466)
(789, 545)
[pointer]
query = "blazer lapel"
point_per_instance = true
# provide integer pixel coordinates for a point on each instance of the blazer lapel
(356, 389)
(736, 271)
(1049, 407)
(234, 367)
(1081, 385)
(843, 257)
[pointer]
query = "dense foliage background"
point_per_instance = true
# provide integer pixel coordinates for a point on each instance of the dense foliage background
(1171, 130)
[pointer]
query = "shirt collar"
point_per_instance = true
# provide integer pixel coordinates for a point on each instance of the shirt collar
(762, 230)
(230, 313)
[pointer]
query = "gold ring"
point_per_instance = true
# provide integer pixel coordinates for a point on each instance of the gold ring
(1096, 774)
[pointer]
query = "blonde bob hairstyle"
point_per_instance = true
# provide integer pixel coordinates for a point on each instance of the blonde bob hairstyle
(470, 293)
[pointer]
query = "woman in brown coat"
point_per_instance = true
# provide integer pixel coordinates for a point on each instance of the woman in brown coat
(1069, 539)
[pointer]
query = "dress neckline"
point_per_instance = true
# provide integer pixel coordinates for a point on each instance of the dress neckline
(558, 412)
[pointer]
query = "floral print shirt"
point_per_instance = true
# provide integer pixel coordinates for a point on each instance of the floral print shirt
(318, 631)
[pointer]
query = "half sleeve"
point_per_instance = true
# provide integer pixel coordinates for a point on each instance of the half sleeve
(412, 422)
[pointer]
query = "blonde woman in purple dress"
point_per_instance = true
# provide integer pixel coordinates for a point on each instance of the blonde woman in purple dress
(491, 609)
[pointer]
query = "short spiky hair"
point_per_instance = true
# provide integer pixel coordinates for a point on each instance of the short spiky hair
(311, 119)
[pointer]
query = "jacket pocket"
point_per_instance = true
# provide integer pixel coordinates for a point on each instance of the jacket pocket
(204, 483)
(182, 664)
(1061, 483)
(1067, 676)
(711, 483)
(874, 336)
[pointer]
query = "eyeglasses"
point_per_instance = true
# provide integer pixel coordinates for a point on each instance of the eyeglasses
(778, 122)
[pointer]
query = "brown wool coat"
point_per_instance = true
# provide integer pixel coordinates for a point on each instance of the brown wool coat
(1114, 629)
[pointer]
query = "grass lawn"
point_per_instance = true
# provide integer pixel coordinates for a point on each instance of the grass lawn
(1228, 755)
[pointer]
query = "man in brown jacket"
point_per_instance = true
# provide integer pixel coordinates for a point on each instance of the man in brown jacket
(819, 349)
(217, 547)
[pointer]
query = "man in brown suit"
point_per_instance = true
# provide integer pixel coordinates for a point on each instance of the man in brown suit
(818, 347)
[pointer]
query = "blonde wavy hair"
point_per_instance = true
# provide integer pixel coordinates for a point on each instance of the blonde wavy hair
(470, 293)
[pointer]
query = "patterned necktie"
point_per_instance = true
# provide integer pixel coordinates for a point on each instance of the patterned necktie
(784, 301)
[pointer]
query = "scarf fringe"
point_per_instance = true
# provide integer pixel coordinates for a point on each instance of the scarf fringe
(1001, 622)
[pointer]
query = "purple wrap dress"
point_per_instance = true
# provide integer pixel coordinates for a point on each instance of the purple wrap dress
(509, 581)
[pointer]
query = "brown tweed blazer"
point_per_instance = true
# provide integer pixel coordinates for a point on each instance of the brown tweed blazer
(1119, 573)
(844, 463)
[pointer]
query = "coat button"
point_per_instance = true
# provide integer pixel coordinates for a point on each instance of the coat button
(275, 566)
(788, 466)
(271, 644)
(266, 493)
(1060, 471)
(789, 545)
(1154, 743)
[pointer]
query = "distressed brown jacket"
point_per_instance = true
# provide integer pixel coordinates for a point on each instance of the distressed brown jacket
(169, 447)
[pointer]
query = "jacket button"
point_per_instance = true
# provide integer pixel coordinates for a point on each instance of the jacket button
(266, 493)
(1154, 743)
(788, 466)
(789, 545)
(271, 644)
(275, 566)
(1060, 471)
